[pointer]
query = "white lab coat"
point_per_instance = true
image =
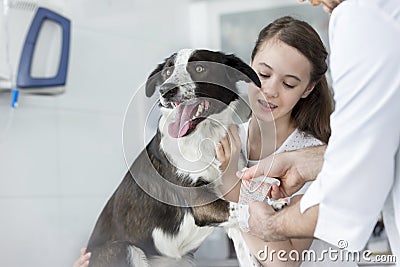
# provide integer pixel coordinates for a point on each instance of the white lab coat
(361, 175)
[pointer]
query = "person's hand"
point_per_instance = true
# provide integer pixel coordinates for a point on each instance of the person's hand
(83, 260)
(281, 166)
(276, 193)
(288, 223)
(227, 153)
(328, 5)
(228, 150)
(292, 168)
(261, 222)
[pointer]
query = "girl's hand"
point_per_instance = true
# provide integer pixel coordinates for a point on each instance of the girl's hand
(83, 260)
(228, 150)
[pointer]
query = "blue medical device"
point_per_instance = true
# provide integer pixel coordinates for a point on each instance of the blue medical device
(24, 77)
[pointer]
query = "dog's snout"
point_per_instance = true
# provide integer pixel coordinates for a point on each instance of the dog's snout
(168, 90)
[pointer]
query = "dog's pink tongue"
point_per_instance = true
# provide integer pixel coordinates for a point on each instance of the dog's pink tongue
(181, 125)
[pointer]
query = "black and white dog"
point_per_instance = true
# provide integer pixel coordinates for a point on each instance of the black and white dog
(167, 204)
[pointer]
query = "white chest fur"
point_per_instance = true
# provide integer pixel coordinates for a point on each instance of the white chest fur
(189, 237)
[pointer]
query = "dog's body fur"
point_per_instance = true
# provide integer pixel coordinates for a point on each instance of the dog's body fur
(155, 209)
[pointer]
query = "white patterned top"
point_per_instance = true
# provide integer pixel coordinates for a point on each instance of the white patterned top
(297, 140)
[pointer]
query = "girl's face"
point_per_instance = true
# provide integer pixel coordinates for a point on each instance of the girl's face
(285, 75)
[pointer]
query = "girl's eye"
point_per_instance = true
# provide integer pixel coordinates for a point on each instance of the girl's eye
(288, 85)
(262, 75)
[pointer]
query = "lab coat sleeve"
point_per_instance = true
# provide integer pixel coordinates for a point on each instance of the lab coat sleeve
(358, 170)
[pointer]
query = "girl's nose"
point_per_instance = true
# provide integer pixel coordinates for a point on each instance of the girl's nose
(269, 89)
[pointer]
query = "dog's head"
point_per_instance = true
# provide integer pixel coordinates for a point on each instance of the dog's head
(195, 84)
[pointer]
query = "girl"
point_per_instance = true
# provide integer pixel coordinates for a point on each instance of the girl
(290, 111)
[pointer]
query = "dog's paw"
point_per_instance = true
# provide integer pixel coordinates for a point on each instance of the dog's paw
(279, 204)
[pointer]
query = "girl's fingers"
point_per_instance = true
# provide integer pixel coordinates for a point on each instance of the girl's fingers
(234, 138)
(219, 152)
(226, 145)
(87, 255)
(83, 260)
(234, 134)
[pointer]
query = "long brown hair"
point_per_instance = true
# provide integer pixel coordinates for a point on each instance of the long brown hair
(310, 114)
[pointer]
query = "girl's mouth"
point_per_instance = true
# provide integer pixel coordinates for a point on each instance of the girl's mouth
(267, 106)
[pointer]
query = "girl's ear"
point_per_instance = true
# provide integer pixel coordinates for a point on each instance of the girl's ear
(308, 90)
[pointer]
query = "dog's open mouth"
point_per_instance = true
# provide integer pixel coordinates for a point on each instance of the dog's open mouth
(188, 116)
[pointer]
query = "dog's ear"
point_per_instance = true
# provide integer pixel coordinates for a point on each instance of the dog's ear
(155, 76)
(153, 79)
(246, 73)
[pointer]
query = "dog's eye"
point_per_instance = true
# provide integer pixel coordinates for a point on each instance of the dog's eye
(199, 68)
(167, 72)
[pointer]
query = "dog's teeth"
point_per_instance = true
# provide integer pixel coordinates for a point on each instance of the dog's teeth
(206, 105)
(199, 111)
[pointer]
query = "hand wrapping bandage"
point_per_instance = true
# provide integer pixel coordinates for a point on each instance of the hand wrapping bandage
(256, 190)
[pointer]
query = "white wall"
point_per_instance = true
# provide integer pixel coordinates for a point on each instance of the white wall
(61, 157)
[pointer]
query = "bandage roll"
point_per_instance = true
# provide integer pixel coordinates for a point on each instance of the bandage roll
(254, 190)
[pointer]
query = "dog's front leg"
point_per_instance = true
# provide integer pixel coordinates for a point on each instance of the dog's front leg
(217, 213)
(212, 214)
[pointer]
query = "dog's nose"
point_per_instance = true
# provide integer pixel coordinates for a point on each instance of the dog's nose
(168, 90)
